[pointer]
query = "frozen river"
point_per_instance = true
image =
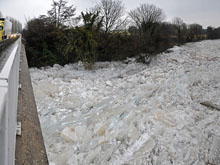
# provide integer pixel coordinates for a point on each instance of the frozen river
(133, 113)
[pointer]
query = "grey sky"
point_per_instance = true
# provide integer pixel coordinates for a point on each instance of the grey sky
(204, 12)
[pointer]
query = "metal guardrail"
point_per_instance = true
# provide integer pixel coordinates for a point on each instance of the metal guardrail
(9, 79)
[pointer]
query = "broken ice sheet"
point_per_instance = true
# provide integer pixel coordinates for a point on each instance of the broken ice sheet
(133, 113)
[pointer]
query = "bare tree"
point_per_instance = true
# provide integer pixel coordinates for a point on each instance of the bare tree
(194, 32)
(112, 12)
(196, 29)
(61, 13)
(177, 22)
(16, 25)
(146, 15)
(180, 27)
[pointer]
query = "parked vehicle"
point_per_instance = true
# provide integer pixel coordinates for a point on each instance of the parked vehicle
(5, 28)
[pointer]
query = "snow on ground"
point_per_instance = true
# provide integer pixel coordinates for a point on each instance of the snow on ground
(132, 113)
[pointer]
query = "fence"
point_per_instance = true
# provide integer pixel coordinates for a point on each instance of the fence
(9, 79)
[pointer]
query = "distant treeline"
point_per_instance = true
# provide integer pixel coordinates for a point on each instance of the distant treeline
(105, 33)
(16, 25)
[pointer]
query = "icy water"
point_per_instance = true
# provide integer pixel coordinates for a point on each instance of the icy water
(133, 113)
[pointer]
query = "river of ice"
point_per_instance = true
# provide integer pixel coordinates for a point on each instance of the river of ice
(132, 113)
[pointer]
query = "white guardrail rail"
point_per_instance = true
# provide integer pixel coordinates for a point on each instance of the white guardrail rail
(9, 79)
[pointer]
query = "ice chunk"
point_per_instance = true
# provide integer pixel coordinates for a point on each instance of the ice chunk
(75, 133)
(70, 101)
(101, 131)
(169, 122)
(69, 134)
(214, 155)
(92, 155)
(52, 163)
(109, 83)
(162, 158)
(191, 155)
(88, 137)
(133, 133)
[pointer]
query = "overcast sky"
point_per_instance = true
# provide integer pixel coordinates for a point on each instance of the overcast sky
(204, 12)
